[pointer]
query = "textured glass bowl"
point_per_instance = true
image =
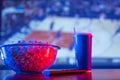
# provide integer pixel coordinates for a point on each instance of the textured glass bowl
(28, 57)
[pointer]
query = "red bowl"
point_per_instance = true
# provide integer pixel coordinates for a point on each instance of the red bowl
(29, 57)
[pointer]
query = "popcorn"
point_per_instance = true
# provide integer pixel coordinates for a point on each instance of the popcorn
(30, 56)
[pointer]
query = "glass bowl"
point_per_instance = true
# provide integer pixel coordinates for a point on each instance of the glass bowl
(25, 58)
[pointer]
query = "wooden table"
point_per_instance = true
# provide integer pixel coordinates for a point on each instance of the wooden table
(95, 74)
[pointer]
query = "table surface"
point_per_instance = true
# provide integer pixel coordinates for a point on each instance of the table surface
(95, 74)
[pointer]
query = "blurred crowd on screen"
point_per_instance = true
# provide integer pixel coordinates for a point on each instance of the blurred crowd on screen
(84, 8)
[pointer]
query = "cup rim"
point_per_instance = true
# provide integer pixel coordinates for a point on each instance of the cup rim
(84, 34)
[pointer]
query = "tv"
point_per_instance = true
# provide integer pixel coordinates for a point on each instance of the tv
(54, 22)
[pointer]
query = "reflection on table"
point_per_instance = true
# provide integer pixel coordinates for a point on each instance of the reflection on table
(95, 74)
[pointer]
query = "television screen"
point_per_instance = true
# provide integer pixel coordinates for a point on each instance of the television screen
(54, 22)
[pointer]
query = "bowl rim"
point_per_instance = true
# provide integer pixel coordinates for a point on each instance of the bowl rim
(35, 44)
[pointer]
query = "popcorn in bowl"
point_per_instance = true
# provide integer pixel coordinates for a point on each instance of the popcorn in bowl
(32, 56)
